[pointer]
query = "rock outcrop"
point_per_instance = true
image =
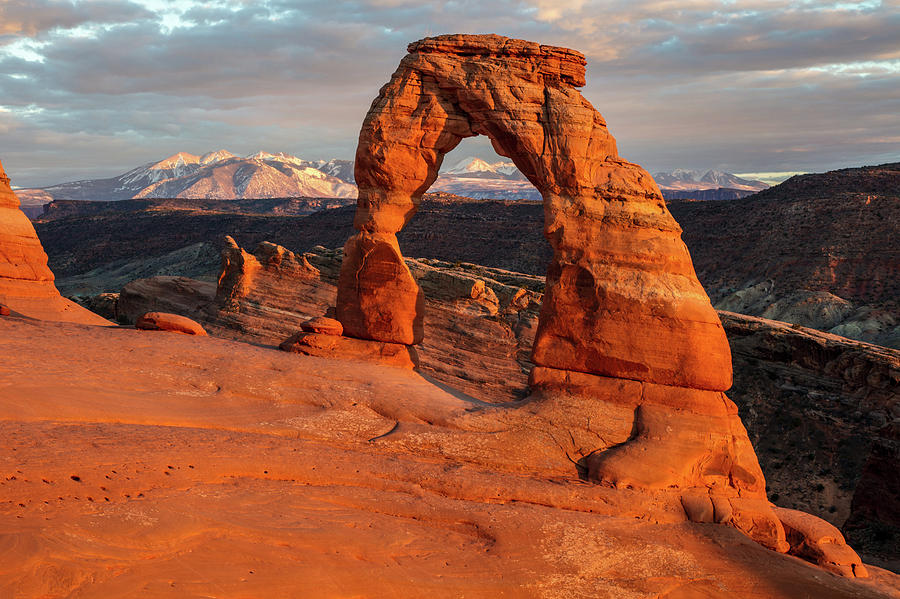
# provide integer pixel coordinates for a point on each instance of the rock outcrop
(820, 542)
(625, 325)
(172, 323)
(141, 464)
(622, 298)
(812, 403)
(26, 282)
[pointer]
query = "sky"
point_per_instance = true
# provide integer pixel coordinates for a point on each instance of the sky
(94, 88)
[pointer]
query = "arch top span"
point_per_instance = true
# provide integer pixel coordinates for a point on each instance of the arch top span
(553, 61)
(622, 298)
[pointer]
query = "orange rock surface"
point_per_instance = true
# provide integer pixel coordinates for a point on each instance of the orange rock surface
(622, 298)
(323, 325)
(26, 283)
(173, 323)
(328, 345)
(178, 466)
(820, 542)
(622, 303)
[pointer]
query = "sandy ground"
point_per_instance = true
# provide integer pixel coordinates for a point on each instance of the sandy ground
(148, 464)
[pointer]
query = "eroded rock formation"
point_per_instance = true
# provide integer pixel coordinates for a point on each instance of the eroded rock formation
(622, 297)
(625, 326)
(172, 323)
(26, 282)
(807, 398)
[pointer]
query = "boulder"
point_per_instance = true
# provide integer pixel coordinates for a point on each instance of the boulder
(818, 541)
(326, 345)
(322, 325)
(163, 321)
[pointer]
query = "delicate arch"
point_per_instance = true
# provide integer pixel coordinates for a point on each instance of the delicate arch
(622, 297)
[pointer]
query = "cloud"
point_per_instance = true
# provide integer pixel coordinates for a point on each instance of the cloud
(749, 85)
(33, 17)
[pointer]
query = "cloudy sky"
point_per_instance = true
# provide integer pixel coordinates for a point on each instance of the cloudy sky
(93, 88)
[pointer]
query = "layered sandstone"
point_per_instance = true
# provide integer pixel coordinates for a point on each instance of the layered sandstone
(625, 327)
(622, 297)
(797, 388)
(26, 282)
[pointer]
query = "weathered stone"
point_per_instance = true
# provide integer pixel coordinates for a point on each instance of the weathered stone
(173, 323)
(622, 298)
(323, 325)
(321, 345)
(818, 541)
(377, 296)
(678, 437)
(26, 282)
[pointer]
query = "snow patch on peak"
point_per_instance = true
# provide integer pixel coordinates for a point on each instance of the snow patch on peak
(217, 156)
(176, 160)
(471, 165)
(279, 157)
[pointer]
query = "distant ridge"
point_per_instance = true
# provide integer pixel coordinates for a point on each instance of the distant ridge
(222, 175)
(214, 175)
(684, 179)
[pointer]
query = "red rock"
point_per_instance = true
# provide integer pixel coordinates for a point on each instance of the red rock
(323, 325)
(26, 282)
(232, 458)
(322, 345)
(162, 321)
(622, 298)
(4, 311)
(377, 297)
(816, 540)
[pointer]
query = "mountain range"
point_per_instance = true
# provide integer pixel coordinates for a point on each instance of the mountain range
(224, 176)
(220, 175)
(690, 180)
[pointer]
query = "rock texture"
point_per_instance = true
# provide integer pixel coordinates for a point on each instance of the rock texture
(173, 323)
(137, 464)
(326, 345)
(26, 282)
(820, 542)
(624, 324)
(622, 297)
(814, 404)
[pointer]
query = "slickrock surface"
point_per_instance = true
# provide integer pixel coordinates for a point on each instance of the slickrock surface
(178, 466)
(26, 283)
(814, 404)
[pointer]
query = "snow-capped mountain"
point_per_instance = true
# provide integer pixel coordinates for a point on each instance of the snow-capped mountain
(690, 180)
(477, 168)
(223, 175)
(477, 178)
(215, 175)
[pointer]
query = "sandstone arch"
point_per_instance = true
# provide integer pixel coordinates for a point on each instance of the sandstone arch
(622, 297)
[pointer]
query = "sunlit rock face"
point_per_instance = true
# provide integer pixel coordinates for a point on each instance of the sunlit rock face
(622, 300)
(625, 329)
(26, 282)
